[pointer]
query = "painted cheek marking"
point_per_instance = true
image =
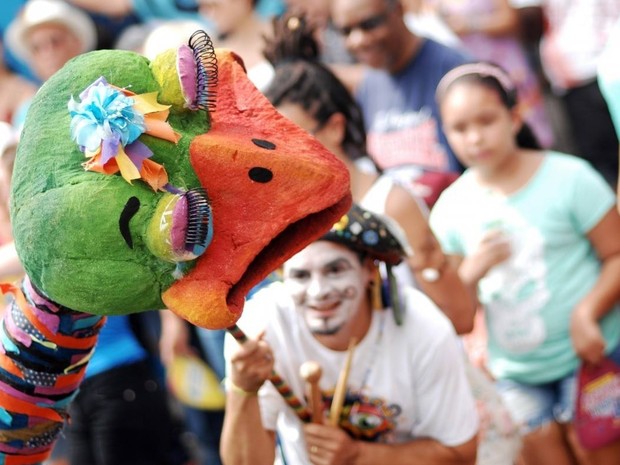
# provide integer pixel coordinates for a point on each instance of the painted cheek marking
(349, 293)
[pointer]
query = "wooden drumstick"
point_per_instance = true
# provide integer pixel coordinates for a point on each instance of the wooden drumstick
(341, 387)
(311, 372)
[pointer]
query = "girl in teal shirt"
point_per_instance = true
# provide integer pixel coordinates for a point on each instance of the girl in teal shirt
(538, 235)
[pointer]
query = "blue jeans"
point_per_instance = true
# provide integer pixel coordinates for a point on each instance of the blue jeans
(533, 405)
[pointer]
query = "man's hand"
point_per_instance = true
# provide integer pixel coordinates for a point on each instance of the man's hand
(329, 445)
(251, 364)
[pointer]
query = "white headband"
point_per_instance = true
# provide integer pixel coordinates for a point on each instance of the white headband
(481, 69)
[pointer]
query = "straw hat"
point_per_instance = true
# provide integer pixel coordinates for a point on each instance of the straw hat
(38, 12)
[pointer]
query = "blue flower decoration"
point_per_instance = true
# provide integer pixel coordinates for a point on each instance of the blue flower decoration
(104, 118)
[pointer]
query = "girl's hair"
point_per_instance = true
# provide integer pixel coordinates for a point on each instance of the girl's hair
(492, 77)
(301, 79)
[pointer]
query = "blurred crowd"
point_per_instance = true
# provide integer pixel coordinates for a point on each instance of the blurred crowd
(420, 99)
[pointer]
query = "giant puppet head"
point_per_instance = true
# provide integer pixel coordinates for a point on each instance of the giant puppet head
(173, 183)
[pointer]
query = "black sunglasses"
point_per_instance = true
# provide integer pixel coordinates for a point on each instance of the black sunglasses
(366, 25)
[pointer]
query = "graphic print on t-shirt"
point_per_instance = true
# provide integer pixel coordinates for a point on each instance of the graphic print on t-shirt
(366, 418)
(407, 138)
(514, 291)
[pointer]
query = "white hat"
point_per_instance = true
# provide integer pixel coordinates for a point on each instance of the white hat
(169, 34)
(37, 12)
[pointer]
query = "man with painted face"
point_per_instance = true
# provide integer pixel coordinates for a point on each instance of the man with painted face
(407, 399)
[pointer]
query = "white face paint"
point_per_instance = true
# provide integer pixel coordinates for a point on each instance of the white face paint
(328, 284)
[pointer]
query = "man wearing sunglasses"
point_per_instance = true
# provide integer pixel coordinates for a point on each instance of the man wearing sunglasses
(397, 92)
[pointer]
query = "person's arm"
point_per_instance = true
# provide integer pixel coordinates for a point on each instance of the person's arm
(494, 248)
(244, 439)
(113, 8)
(175, 337)
(421, 451)
(503, 20)
(328, 444)
(585, 331)
(618, 184)
(436, 275)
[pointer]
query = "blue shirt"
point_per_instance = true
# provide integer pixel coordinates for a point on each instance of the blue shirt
(401, 114)
(117, 346)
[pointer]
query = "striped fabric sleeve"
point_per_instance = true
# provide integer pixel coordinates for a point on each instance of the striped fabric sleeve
(44, 350)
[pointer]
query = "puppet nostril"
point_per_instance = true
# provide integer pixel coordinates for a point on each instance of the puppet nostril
(262, 175)
(264, 144)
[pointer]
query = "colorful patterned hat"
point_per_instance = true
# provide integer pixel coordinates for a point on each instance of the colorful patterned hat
(378, 237)
(375, 235)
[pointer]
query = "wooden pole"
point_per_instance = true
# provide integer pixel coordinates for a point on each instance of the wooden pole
(341, 386)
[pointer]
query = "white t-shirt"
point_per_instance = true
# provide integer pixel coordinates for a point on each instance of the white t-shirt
(429, 24)
(406, 381)
(525, 3)
(609, 75)
(574, 38)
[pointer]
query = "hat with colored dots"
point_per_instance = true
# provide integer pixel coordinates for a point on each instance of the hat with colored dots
(370, 233)
(379, 237)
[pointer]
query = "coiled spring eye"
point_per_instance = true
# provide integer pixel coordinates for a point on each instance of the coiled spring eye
(182, 227)
(206, 73)
(199, 230)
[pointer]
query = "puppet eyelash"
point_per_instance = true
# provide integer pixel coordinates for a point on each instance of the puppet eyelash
(206, 70)
(199, 223)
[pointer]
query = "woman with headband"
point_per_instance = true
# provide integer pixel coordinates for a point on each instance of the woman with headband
(538, 234)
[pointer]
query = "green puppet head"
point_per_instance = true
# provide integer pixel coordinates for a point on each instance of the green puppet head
(173, 183)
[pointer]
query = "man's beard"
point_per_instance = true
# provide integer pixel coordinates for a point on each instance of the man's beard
(326, 331)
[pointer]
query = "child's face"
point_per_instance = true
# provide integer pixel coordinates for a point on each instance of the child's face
(480, 128)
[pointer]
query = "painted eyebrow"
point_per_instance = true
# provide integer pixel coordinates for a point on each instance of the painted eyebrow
(334, 263)
(338, 261)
